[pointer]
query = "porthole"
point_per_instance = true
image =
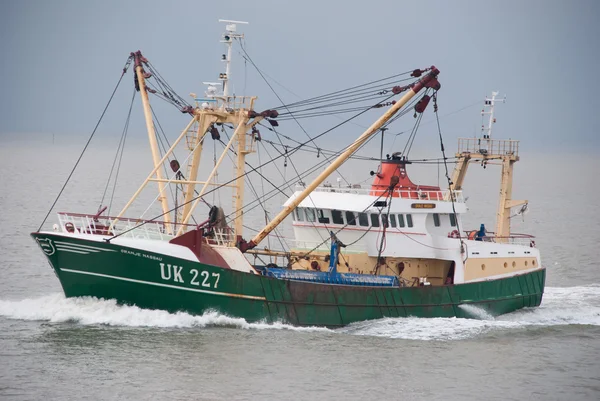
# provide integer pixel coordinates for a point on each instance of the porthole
(533, 262)
(505, 265)
(525, 263)
(514, 264)
(483, 267)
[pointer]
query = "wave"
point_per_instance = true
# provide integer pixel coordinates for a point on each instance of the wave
(561, 306)
(55, 308)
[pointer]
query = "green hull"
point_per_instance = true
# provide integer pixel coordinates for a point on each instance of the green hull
(155, 281)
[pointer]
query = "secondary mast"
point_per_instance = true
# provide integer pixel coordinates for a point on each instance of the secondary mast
(487, 149)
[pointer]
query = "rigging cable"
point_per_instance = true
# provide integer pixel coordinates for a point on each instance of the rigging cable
(243, 174)
(121, 155)
(385, 226)
(121, 141)
(275, 93)
(307, 172)
(247, 179)
(292, 115)
(127, 64)
(450, 183)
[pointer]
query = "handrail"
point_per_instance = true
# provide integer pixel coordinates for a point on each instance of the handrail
(128, 219)
(416, 193)
(83, 223)
(489, 146)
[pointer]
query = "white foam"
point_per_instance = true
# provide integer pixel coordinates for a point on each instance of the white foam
(476, 312)
(55, 308)
(560, 306)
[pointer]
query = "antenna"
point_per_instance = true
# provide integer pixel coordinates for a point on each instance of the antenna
(227, 38)
(489, 105)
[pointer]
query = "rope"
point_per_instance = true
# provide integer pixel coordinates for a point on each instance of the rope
(123, 134)
(129, 59)
(435, 108)
(245, 173)
(112, 195)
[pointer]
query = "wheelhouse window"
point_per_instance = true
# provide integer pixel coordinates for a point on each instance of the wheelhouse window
(299, 214)
(392, 219)
(409, 221)
(374, 220)
(436, 219)
(401, 221)
(363, 219)
(350, 218)
(310, 215)
(322, 218)
(452, 219)
(337, 217)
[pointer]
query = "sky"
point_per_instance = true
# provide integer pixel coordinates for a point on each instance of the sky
(60, 60)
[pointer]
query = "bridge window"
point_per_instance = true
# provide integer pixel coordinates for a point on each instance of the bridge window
(452, 219)
(336, 217)
(392, 219)
(401, 221)
(351, 218)
(374, 219)
(310, 215)
(299, 214)
(409, 221)
(436, 219)
(322, 218)
(363, 219)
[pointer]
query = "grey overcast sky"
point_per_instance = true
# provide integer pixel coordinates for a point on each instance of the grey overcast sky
(60, 59)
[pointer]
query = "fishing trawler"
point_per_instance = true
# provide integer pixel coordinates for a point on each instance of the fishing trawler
(395, 249)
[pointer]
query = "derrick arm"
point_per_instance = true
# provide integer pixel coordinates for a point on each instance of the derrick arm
(429, 80)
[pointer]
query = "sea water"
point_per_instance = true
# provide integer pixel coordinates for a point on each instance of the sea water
(85, 348)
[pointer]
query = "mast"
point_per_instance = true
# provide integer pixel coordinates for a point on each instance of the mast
(228, 37)
(215, 108)
(242, 151)
(429, 80)
(204, 121)
(238, 196)
(225, 108)
(489, 104)
(485, 148)
(139, 70)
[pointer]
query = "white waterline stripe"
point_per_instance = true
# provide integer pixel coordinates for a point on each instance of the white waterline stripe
(83, 246)
(74, 248)
(225, 294)
(73, 251)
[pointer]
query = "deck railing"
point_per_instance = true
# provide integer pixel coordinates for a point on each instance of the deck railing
(416, 194)
(127, 227)
(489, 146)
(132, 228)
(514, 238)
